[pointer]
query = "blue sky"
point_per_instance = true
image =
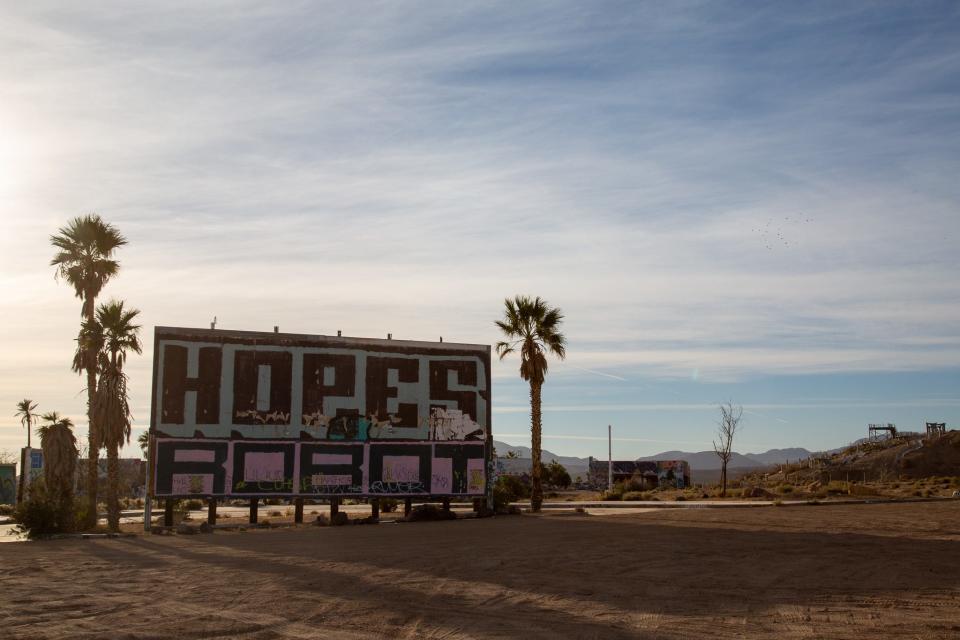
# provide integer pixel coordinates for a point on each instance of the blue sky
(730, 201)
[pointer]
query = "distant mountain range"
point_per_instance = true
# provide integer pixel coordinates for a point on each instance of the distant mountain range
(699, 461)
(704, 460)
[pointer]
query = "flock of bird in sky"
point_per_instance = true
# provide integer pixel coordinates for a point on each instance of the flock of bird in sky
(771, 241)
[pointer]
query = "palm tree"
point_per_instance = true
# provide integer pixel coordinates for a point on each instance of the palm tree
(111, 336)
(531, 325)
(144, 441)
(84, 258)
(25, 411)
(59, 464)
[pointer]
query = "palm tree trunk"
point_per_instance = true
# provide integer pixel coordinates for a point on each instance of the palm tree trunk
(113, 485)
(23, 474)
(93, 454)
(536, 490)
(24, 464)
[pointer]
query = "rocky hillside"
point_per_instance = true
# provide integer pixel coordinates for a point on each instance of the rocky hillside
(878, 461)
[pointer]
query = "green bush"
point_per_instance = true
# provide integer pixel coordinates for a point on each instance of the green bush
(785, 489)
(43, 512)
(508, 489)
(555, 475)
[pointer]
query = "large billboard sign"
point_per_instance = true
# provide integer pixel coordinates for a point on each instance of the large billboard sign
(244, 414)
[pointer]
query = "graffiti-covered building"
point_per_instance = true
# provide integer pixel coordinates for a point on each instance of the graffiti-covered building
(654, 473)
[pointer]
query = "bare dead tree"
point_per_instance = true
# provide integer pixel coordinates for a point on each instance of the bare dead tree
(727, 428)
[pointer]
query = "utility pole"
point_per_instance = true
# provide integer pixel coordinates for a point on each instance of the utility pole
(609, 458)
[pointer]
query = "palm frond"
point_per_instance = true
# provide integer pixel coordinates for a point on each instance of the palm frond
(111, 410)
(536, 326)
(84, 257)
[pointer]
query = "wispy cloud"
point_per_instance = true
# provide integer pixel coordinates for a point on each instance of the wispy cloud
(402, 169)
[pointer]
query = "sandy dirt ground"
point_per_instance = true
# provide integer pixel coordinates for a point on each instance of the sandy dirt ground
(854, 571)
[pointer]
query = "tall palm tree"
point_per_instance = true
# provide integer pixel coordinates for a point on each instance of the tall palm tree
(25, 411)
(84, 258)
(112, 335)
(59, 464)
(532, 326)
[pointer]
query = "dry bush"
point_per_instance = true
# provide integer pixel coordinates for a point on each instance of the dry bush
(429, 512)
(862, 490)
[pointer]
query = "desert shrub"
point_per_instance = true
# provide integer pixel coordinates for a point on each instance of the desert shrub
(6, 509)
(634, 495)
(508, 489)
(680, 498)
(274, 514)
(778, 502)
(862, 490)
(193, 505)
(314, 512)
(42, 512)
(388, 505)
(917, 493)
(785, 489)
(837, 487)
(635, 483)
(611, 496)
(429, 512)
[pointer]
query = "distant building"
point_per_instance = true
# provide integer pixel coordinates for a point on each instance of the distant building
(654, 473)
